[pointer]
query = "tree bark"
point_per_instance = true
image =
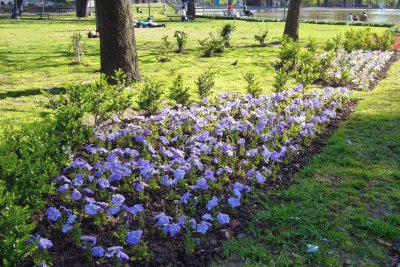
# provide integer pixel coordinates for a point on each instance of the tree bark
(82, 8)
(117, 38)
(292, 20)
(191, 12)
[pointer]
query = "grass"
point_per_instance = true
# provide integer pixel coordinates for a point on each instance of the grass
(346, 200)
(34, 56)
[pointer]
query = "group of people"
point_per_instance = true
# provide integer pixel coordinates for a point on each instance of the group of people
(231, 11)
(363, 17)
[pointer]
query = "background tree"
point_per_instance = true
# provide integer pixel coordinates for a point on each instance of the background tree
(17, 9)
(117, 38)
(82, 8)
(191, 9)
(292, 20)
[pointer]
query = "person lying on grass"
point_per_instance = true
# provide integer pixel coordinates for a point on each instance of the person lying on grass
(149, 23)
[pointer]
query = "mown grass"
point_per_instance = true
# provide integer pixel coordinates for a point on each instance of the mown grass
(34, 56)
(346, 200)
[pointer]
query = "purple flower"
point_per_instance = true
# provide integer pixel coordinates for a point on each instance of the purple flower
(212, 203)
(71, 219)
(140, 186)
(117, 200)
(193, 223)
(103, 183)
(260, 178)
(66, 228)
(89, 239)
(185, 198)
(206, 217)
(275, 156)
(97, 252)
(92, 209)
(168, 182)
(179, 174)
(162, 219)
(172, 229)
(111, 251)
(53, 214)
(203, 227)
(223, 218)
(78, 181)
(45, 243)
(209, 174)
(113, 211)
(63, 188)
(115, 177)
(182, 220)
(134, 237)
(121, 256)
(252, 152)
(32, 239)
(135, 210)
(241, 187)
(76, 195)
(88, 191)
(202, 184)
(234, 202)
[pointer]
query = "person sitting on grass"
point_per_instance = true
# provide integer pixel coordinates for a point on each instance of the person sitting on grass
(364, 17)
(355, 17)
(230, 10)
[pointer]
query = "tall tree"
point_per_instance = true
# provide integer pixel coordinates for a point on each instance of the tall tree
(82, 8)
(292, 19)
(17, 9)
(117, 38)
(191, 12)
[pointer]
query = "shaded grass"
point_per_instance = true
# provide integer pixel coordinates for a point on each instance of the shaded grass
(34, 56)
(346, 201)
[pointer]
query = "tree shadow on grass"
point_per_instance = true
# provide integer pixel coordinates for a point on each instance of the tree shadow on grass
(31, 92)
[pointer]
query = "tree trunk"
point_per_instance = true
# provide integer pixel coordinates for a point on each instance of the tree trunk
(97, 17)
(292, 20)
(82, 8)
(117, 38)
(191, 12)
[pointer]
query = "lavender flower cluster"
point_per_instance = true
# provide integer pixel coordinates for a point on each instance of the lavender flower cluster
(201, 161)
(358, 68)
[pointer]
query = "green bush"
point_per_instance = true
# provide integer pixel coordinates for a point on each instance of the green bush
(179, 93)
(261, 37)
(212, 45)
(77, 47)
(149, 98)
(308, 68)
(165, 50)
(289, 51)
(225, 32)
(181, 39)
(253, 85)
(99, 99)
(205, 83)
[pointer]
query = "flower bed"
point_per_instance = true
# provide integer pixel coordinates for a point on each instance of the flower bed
(182, 173)
(358, 69)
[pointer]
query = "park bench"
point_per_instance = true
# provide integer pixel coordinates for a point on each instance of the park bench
(43, 15)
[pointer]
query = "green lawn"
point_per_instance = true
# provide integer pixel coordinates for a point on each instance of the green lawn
(34, 56)
(346, 201)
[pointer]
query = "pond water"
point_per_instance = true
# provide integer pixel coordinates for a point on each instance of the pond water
(322, 14)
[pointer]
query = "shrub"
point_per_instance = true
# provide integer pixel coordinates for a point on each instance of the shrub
(307, 69)
(149, 98)
(333, 44)
(178, 92)
(311, 45)
(165, 50)
(212, 45)
(253, 85)
(77, 48)
(289, 51)
(181, 40)
(281, 78)
(261, 37)
(99, 99)
(205, 83)
(225, 32)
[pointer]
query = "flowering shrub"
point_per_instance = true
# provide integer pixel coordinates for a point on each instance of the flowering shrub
(182, 170)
